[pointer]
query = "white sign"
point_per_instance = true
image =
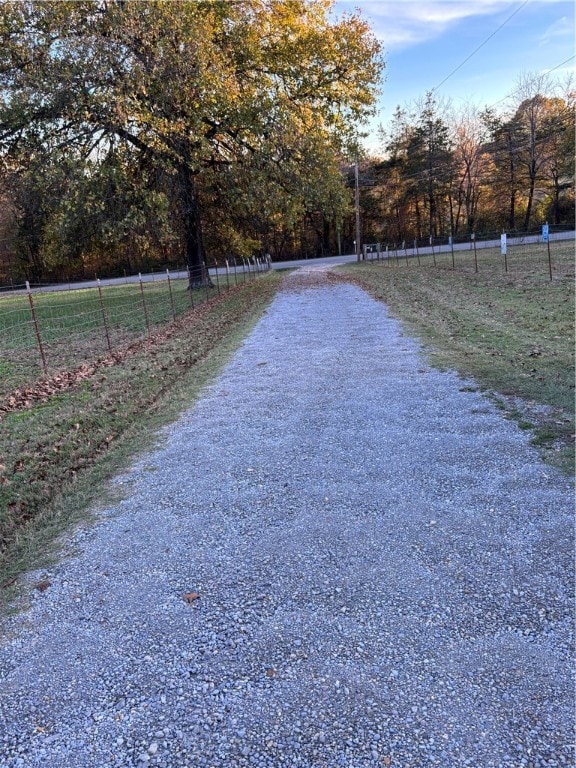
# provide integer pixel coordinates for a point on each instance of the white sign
(503, 244)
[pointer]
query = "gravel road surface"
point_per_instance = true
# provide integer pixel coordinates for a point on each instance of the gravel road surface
(384, 569)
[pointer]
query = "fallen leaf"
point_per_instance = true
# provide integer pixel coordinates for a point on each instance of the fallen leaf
(386, 760)
(190, 597)
(42, 586)
(270, 673)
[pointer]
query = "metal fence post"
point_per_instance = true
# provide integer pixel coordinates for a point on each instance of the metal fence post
(190, 286)
(171, 297)
(36, 328)
(103, 313)
(206, 273)
(144, 303)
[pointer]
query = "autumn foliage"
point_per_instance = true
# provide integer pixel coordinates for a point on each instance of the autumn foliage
(134, 133)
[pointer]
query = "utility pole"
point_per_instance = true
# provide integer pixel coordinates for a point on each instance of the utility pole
(357, 206)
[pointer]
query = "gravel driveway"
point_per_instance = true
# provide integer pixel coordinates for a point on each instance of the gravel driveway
(384, 569)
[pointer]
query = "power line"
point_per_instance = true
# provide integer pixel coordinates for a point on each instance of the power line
(480, 46)
(549, 71)
(440, 173)
(561, 64)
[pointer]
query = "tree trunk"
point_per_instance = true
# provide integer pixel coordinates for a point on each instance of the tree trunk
(418, 219)
(556, 203)
(192, 230)
(532, 174)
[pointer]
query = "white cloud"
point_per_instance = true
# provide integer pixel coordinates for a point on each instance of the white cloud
(403, 23)
(561, 29)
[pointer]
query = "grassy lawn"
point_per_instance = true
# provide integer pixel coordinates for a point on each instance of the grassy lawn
(56, 454)
(512, 332)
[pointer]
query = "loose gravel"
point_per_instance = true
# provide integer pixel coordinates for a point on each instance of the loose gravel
(383, 568)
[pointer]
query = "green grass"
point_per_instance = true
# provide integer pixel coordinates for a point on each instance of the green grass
(73, 324)
(512, 332)
(56, 456)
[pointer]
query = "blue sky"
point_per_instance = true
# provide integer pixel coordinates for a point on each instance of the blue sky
(425, 40)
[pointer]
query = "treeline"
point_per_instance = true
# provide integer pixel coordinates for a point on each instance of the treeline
(136, 135)
(142, 134)
(450, 172)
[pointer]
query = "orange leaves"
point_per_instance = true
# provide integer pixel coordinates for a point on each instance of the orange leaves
(191, 597)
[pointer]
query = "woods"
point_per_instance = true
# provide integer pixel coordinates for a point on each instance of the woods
(172, 131)
(141, 135)
(452, 172)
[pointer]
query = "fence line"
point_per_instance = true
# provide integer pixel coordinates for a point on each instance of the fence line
(393, 252)
(43, 331)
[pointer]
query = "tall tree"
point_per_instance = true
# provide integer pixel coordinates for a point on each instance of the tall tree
(192, 88)
(503, 148)
(530, 120)
(470, 164)
(431, 159)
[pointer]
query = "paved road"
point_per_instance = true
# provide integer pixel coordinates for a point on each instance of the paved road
(383, 564)
(326, 261)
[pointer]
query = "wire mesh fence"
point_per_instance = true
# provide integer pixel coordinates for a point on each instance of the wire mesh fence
(549, 256)
(46, 329)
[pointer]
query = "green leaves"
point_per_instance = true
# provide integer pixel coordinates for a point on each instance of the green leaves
(199, 96)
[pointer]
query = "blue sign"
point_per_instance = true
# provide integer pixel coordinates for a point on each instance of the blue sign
(545, 233)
